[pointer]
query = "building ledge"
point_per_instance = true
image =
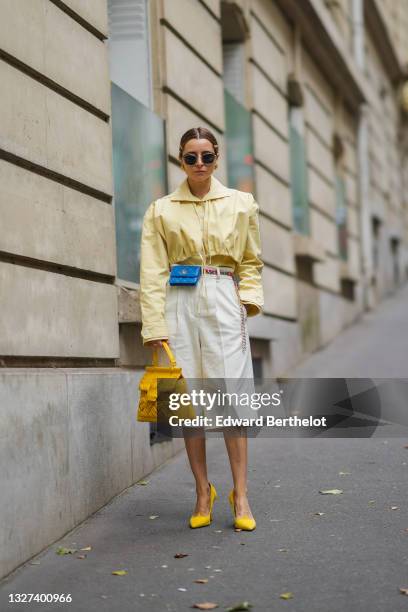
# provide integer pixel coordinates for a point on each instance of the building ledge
(326, 46)
(347, 273)
(382, 40)
(128, 305)
(308, 249)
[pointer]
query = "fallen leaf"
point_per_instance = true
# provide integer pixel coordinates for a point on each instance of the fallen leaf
(205, 605)
(119, 572)
(154, 516)
(243, 605)
(404, 591)
(86, 548)
(65, 551)
(201, 580)
(180, 555)
(331, 492)
(287, 595)
(143, 482)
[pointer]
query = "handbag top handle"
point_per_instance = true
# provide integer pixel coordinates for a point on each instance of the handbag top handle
(170, 355)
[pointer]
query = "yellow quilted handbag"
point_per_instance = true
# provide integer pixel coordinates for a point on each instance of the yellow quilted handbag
(155, 387)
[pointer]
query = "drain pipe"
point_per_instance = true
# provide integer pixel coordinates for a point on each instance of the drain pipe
(363, 162)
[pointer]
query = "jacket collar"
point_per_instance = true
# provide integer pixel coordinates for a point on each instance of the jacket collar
(183, 193)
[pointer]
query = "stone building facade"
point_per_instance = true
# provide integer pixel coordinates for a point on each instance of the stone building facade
(305, 100)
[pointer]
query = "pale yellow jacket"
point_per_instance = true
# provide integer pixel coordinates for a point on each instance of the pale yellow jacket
(223, 225)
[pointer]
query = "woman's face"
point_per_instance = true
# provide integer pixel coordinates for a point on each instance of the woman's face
(199, 172)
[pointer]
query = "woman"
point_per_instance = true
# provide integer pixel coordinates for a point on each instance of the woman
(204, 223)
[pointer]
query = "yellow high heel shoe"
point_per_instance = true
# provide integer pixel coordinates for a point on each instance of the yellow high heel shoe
(243, 522)
(201, 520)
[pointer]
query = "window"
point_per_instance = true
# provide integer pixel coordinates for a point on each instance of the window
(138, 134)
(238, 120)
(129, 53)
(298, 171)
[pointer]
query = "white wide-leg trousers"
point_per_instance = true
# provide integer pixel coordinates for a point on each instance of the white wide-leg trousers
(208, 336)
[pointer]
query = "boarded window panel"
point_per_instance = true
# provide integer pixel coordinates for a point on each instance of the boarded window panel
(298, 172)
(139, 170)
(341, 217)
(128, 44)
(239, 142)
(234, 70)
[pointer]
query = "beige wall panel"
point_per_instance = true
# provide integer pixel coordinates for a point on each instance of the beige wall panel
(270, 149)
(353, 221)
(53, 315)
(179, 120)
(268, 56)
(274, 21)
(321, 193)
(71, 228)
(274, 197)
(43, 127)
(319, 155)
(269, 102)
(95, 12)
(318, 117)
(184, 16)
(38, 46)
(277, 245)
(314, 78)
(279, 293)
(214, 6)
(323, 231)
(193, 81)
(175, 176)
(326, 274)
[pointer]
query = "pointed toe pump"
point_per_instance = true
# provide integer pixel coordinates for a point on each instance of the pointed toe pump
(245, 523)
(201, 520)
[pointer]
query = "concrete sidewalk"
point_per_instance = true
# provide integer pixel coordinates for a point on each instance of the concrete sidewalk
(352, 557)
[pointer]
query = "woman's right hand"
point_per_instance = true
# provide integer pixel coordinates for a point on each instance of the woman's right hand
(157, 343)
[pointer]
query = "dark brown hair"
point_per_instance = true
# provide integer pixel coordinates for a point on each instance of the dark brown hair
(199, 132)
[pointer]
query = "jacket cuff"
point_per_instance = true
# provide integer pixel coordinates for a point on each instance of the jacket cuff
(253, 309)
(154, 331)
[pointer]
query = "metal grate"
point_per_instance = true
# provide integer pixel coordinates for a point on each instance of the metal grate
(127, 19)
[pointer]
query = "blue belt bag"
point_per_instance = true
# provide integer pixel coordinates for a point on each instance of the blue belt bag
(184, 275)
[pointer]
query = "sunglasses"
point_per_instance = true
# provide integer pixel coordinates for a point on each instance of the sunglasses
(191, 158)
